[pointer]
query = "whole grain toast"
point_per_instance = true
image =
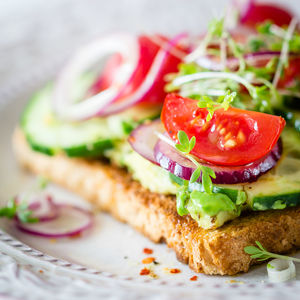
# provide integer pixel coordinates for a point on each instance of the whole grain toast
(215, 251)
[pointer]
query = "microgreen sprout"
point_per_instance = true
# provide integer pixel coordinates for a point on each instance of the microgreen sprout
(20, 210)
(223, 101)
(213, 70)
(261, 254)
(18, 207)
(185, 146)
(284, 54)
(215, 30)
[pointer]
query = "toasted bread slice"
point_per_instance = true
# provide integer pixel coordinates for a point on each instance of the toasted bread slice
(218, 251)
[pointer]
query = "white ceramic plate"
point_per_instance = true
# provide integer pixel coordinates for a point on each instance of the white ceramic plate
(107, 261)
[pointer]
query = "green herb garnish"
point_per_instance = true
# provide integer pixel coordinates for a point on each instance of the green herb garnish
(20, 210)
(261, 254)
(222, 102)
(185, 146)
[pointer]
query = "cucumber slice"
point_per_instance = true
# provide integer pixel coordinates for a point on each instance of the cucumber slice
(46, 134)
(278, 190)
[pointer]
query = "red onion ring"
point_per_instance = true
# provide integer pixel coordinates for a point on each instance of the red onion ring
(44, 209)
(124, 44)
(55, 228)
(176, 163)
(143, 139)
(105, 102)
(142, 93)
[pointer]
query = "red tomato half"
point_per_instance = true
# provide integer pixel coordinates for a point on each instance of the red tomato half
(148, 52)
(233, 137)
(291, 74)
(257, 13)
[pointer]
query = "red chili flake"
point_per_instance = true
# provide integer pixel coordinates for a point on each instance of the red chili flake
(175, 271)
(145, 271)
(194, 278)
(41, 271)
(148, 251)
(148, 260)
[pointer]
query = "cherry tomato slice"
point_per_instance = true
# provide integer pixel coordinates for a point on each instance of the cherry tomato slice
(291, 74)
(260, 12)
(233, 137)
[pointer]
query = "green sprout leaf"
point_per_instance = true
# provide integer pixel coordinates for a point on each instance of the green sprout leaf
(192, 143)
(183, 138)
(261, 254)
(256, 44)
(215, 27)
(13, 209)
(223, 101)
(196, 174)
(265, 28)
(181, 148)
(185, 146)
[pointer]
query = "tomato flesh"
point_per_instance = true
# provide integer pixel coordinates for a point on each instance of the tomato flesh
(291, 74)
(233, 137)
(260, 12)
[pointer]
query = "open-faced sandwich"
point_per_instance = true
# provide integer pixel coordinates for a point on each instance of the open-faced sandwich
(194, 142)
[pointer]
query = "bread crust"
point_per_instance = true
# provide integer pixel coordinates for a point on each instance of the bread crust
(109, 188)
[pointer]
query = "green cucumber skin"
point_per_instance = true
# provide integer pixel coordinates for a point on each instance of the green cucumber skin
(257, 202)
(40, 148)
(231, 193)
(265, 202)
(94, 149)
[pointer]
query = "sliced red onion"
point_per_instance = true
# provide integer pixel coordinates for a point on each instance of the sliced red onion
(173, 161)
(142, 93)
(124, 44)
(143, 139)
(71, 221)
(44, 209)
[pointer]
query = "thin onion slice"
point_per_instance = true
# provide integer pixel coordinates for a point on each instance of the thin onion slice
(173, 161)
(280, 270)
(44, 209)
(70, 221)
(41, 205)
(143, 139)
(142, 92)
(124, 44)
